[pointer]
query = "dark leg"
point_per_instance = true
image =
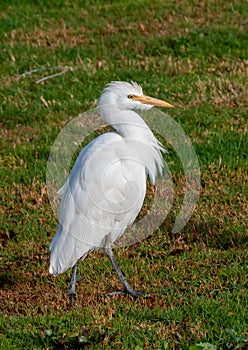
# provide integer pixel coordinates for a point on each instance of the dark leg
(127, 288)
(72, 290)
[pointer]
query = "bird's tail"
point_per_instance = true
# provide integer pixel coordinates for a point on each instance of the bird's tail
(65, 251)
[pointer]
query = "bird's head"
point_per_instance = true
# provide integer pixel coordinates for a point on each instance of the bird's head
(128, 96)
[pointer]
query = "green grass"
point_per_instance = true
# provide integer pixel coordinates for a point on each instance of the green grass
(192, 54)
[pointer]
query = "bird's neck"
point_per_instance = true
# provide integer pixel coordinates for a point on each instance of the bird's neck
(144, 145)
(127, 123)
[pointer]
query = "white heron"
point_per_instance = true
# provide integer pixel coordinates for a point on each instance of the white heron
(105, 190)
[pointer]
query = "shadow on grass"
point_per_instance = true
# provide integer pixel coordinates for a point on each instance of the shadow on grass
(216, 236)
(9, 279)
(210, 233)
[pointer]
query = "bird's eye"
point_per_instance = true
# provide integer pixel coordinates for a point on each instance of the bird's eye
(130, 96)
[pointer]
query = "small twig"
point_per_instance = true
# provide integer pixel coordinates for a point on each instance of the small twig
(63, 71)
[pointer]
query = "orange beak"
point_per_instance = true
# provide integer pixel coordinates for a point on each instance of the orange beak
(152, 101)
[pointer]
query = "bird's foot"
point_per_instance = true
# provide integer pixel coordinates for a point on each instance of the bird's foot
(133, 293)
(117, 292)
(136, 293)
(72, 294)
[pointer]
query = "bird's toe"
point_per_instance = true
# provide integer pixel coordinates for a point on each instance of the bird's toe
(72, 295)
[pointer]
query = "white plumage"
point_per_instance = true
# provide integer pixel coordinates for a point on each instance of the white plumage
(106, 187)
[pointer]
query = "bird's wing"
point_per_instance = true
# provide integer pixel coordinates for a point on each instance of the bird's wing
(102, 195)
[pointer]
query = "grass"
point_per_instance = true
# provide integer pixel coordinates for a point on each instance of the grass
(194, 55)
